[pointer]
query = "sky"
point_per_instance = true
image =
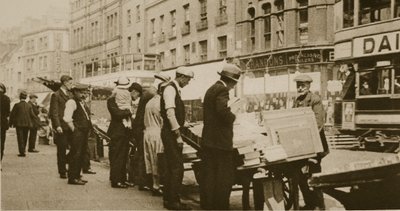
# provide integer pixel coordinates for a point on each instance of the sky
(12, 12)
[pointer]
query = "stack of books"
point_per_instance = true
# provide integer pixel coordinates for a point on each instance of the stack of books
(247, 153)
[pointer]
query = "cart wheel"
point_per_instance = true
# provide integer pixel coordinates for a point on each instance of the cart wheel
(290, 193)
(196, 166)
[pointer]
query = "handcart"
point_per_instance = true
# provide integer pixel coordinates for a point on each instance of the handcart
(370, 187)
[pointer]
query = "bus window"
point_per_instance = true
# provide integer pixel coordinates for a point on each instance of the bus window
(375, 82)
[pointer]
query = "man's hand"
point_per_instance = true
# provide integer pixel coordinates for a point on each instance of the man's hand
(177, 133)
(59, 129)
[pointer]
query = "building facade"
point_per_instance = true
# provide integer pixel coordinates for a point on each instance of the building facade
(45, 53)
(11, 72)
(278, 39)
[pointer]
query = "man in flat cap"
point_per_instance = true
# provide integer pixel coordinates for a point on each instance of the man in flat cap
(313, 199)
(23, 118)
(173, 113)
(120, 136)
(33, 130)
(63, 133)
(77, 117)
(217, 142)
(4, 114)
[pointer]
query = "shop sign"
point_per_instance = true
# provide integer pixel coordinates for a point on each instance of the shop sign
(377, 44)
(281, 59)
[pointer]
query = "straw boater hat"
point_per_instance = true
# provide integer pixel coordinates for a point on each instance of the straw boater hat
(123, 82)
(303, 78)
(162, 77)
(231, 71)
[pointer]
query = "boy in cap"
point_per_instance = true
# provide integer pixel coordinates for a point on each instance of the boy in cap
(173, 113)
(77, 117)
(217, 142)
(4, 114)
(33, 130)
(56, 114)
(313, 199)
(123, 98)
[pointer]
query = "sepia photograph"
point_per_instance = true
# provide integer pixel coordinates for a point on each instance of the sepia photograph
(200, 104)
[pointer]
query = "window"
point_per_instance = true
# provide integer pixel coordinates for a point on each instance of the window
(45, 62)
(222, 7)
(187, 13)
(162, 24)
(173, 23)
(267, 25)
(162, 60)
(397, 81)
(186, 49)
(152, 31)
(397, 8)
(173, 57)
(222, 47)
(115, 24)
(203, 9)
(128, 17)
(373, 11)
(128, 44)
(138, 40)
(251, 14)
(137, 13)
(375, 82)
(280, 30)
(348, 13)
(303, 21)
(203, 50)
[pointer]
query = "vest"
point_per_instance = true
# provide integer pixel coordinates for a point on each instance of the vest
(79, 117)
(179, 108)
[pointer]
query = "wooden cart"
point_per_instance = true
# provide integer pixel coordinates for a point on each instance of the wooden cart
(369, 188)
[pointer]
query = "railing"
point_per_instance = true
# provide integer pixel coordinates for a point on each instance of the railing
(202, 25)
(221, 19)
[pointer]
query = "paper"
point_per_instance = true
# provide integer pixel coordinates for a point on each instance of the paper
(235, 105)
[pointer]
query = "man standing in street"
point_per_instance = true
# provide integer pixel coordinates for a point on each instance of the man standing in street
(120, 136)
(77, 117)
(173, 114)
(33, 130)
(313, 199)
(4, 114)
(63, 133)
(23, 118)
(217, 142)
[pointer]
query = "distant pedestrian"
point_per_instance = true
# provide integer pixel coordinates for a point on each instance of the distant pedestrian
(33, 130)
(152, 136)
(44, 131)
(63, 134)
(86, 167)
(4, 114)
(120, 136)
(77, 116)
(173, 113)
(23, 118)
(217, 142)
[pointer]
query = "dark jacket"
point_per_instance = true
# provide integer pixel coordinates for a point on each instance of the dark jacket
(57, 107)
(22, 116)
(79, 117)
(138, 123)
(5, 111)
(116, 129)
(218, 118)
(35, 108)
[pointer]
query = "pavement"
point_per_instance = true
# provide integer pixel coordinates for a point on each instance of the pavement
(33, 183)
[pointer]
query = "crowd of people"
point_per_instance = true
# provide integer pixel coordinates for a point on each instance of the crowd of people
(151, 134)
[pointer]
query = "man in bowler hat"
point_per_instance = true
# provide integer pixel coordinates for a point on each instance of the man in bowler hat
(217, 142)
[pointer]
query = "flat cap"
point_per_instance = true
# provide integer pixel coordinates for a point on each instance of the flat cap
(185, 71)
(162, 77)
(80, 87)
(303, 78)
(65, 78)
(231, 71)
(33, 96)
(23, 94)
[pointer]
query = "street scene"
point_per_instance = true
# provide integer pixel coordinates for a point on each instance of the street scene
(200, 105)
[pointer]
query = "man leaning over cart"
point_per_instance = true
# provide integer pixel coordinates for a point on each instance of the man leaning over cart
(313, 199)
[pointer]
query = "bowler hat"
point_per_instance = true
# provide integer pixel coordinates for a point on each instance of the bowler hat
(123, 82)
(303, 78)
(65, 78)
(230, 71)
(33, 96)
(23, 94)
(185, 71)
(137, 87)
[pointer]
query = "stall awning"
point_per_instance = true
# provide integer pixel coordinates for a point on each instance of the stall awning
(43, 99)
(205, 75)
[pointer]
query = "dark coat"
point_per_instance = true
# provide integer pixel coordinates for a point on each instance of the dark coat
(57, 107)
(35, 108)
(138, 123)
(22, 116)
(218, 118)
(116, 129)
(5, 111)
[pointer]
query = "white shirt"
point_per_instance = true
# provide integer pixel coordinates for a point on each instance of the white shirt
(169, 95)
(64, 90)
(70, 108)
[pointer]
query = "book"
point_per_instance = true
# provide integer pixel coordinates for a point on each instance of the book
(251, 162)
(245, 149)
(251, 155)
(275, 153)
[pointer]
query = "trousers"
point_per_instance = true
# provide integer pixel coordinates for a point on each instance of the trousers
(217, 178)
(118, 155)
(174, 167)
(3, 141)
(22, 138)
(32, 138)
(77, 152)
(62, 141)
